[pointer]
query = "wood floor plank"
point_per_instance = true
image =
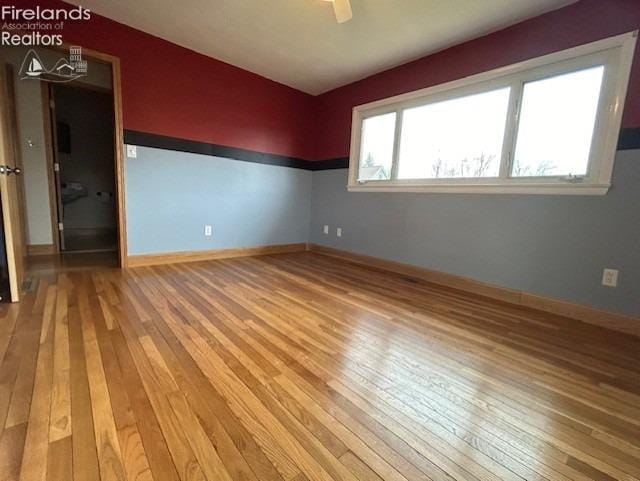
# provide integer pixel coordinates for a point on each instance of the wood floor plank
(567, 420)
(274, 394)
(24, 349)
(358, 467)
(243, 404)
(184, 461)
(497, 440)
(134, 457)
(60, 421)
(11, 450)
(238, 450)
(155, 446)
(302, 367)
(630, 467)
(204, 451)
(59, 460)
(107, 444)
(85, 456)
(36, 445)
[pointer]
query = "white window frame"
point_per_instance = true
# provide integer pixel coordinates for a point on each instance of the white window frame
(615, 53)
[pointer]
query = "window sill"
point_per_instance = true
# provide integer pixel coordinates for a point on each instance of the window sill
(536, 189)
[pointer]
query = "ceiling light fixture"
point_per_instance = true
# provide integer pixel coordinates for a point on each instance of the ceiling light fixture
(342, 9)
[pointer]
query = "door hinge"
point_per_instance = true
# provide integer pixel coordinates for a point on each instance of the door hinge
(56, 167)
(60, 226)
(52, 104)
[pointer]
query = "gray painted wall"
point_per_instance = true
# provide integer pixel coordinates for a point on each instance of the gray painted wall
(555, 246)
(170, 196)
(551, 245)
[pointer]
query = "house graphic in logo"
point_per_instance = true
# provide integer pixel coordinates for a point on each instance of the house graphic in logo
(63, 67)
(64, 70)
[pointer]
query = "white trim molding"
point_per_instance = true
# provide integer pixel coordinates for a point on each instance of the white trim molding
(614, 53)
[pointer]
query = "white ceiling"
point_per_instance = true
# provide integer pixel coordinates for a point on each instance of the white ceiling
(300, 44)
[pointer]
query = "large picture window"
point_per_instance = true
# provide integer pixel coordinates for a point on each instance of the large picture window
(547, 125)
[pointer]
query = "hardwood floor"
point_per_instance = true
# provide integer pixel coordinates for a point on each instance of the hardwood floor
(300, 367)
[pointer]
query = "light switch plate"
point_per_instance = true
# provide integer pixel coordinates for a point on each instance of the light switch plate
(339, 231)
(325, 229)
(132, 152)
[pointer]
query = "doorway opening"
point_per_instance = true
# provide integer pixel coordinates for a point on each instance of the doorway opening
(62, 142)
(82, 127)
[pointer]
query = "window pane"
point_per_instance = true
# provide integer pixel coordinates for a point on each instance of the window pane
(556, 124)
(454, 139)
(376, 147)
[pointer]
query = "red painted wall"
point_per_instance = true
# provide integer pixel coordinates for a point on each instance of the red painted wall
(583, 22)
(170, 90)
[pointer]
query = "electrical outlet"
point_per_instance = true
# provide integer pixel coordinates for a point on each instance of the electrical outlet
(339, 231)
(610, 278)
(208, 230)
(325, 229)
